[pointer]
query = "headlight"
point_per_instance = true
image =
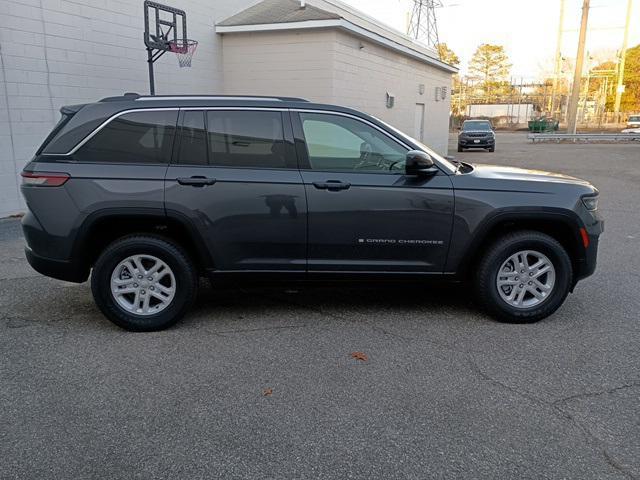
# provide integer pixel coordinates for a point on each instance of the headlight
(590, 202)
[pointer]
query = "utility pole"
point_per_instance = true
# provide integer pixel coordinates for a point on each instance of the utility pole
(556, 76)
(623, 55)
(572, 114)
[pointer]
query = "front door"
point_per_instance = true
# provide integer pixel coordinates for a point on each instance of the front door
(365, 214)
(237, 181)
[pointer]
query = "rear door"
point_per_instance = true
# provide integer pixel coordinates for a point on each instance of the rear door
(365, 214)
(235, 177)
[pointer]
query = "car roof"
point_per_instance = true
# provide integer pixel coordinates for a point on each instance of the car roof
(87, 117)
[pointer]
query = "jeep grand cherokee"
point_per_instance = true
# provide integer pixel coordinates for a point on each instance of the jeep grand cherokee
(147, 194)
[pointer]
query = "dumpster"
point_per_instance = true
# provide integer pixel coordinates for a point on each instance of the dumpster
(543, 124)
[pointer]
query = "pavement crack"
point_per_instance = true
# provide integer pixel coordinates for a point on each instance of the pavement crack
(580, 396)
(560, 412)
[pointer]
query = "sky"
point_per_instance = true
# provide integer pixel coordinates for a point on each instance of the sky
(527, 29)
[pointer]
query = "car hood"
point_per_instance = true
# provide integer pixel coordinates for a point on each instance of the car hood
(462, 132)
(499, 172)
(511, 179)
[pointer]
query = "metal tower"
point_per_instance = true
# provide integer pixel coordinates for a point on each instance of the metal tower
(422, 24)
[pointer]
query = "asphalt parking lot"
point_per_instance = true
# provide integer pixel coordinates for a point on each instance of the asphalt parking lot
(445, 393)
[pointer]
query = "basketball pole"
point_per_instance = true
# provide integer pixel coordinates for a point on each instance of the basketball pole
(152, 82)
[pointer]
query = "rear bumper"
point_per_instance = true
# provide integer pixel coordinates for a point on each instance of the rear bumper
(59, 269)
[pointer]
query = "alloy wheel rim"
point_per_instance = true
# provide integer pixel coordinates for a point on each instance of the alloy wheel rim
(143, 285)
(526, 279)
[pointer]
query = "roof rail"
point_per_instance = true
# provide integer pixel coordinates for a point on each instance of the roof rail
(219, 97)
(122, 98)
(136, 96)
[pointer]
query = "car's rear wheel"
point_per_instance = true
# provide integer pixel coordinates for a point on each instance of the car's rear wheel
(524, 277)
(144, 283)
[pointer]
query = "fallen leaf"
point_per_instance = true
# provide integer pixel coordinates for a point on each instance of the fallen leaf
(360, 356)
(267, 392)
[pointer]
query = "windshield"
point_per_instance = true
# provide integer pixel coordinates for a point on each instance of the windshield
(634, 118)
(476, 125)
(440, 159)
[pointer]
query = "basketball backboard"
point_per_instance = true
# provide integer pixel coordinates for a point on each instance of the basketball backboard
(162, 25)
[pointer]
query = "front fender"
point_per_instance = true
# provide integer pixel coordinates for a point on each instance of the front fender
(470, 238)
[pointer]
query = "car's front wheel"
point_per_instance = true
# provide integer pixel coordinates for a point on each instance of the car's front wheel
(460, 149)
(144, 283)
(524, 277)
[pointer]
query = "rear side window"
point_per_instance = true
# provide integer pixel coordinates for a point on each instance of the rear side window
(246, 139)
(64, 119)
(137, 137)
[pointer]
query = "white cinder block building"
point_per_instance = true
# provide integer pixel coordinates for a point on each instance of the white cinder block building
(59, 52)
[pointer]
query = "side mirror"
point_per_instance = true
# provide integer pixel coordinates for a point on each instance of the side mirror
(419, 163)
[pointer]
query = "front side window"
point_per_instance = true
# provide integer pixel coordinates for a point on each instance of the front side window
(136, 137)
(246, 139)
(345, 144)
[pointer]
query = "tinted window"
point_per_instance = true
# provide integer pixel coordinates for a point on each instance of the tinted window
(193, 141)
(246, 139)
(138, 137)
(342, 143)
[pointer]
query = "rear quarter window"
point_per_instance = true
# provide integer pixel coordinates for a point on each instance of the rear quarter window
(136, 137)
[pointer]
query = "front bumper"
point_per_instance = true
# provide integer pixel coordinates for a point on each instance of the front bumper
(586, 264)
(471, 142)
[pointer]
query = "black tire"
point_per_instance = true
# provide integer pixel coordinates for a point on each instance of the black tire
(492, 149)
(460, 149)
(499, 252)
(186, 282)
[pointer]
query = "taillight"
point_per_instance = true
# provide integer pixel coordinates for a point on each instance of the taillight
(42, 179)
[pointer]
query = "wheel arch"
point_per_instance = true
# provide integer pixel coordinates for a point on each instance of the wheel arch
(104, 226)
(562, 225)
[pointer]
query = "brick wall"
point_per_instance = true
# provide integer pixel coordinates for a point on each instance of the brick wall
(363, 74)
(59, 52)
(297, 64)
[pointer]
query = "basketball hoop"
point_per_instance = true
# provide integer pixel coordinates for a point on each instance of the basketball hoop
(184, 50)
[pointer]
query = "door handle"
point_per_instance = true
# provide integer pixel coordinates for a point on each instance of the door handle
(196, 181)
(332, 185)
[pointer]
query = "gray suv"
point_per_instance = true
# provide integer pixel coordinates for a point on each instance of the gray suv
(477, 134)
(147, 194)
